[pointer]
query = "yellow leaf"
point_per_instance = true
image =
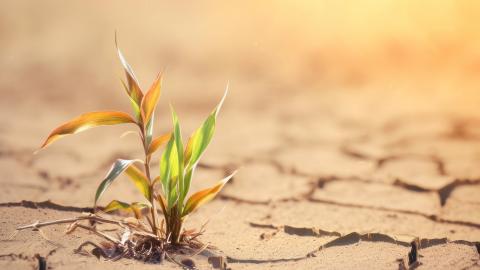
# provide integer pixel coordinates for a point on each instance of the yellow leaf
(204, 196)
(135, 207)
(139, 179)
(87, 121)
(150, 100)
(158, 142)
(116, 205)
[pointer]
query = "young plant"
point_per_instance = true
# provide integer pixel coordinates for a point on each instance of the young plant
(177, 164)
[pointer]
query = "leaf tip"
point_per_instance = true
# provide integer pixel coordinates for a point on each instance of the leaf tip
(116, 40)
(230, 176)
(220, 104)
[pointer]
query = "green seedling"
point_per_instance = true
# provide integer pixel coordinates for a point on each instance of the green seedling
(170, 189)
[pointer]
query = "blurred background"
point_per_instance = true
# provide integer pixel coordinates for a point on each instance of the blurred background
(56, 51)
(360, 62)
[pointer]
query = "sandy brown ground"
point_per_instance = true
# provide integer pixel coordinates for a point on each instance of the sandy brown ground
(343, 158)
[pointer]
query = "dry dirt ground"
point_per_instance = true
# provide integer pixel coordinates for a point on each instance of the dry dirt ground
(331, 175)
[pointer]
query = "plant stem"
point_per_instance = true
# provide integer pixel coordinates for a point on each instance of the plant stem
(153, 209)
(152, 198)
(174, 226)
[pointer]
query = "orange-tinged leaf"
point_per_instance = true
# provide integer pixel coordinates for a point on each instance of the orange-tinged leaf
(150, 100)
(158, 142)
(87, 121)
(204, 196)
(139, 179)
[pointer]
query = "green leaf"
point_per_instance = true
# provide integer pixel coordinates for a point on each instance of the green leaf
(117, 168)
(177, 135)
(200, 139)
(166, 168)
(198, 142)
(139, 179)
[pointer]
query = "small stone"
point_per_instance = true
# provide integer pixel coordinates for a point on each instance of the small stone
(188, 263)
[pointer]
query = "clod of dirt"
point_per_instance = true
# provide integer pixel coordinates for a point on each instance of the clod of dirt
(189, 263)
(379, 237)
(267, 236)
(218, 262)
(304, 231)
(300, 231)
(412, 255)
(424, 243)
(42, 262)
(401, 264)
(348, 239)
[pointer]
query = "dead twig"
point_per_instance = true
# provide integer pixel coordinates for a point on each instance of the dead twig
(135, 242)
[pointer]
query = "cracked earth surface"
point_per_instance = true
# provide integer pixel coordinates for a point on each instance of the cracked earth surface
(328, 179)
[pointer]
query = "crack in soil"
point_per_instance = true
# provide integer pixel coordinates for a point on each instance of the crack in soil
(434, 218)
(442, 192)
(348, 239)
(47, 205)
(298, 231)
(22, 256)
(459, 130)
(381, 162)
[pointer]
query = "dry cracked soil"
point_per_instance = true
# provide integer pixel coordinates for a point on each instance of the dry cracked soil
(330, 176)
